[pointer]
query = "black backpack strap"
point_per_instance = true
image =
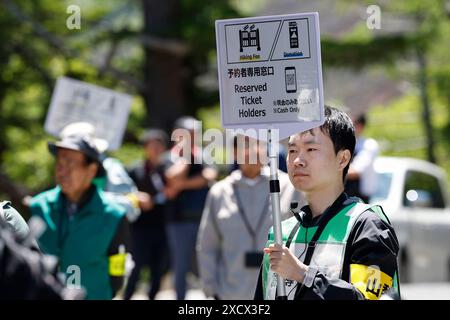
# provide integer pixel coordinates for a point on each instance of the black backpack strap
(292, 234)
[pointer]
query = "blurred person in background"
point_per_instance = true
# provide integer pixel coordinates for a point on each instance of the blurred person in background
(148, 233)
(116, 183)
(282, 154)
(361, 178)
(235, 222)
(84, 228)
(187, 186)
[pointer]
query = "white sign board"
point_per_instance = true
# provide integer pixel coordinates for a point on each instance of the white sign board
(270, 73)
(75, 101)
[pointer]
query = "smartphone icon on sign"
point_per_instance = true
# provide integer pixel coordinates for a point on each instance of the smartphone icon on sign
(290, 78)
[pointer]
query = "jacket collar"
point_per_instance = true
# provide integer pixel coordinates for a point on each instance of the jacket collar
(58, 200)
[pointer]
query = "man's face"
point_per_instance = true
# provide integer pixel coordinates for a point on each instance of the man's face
(249, 153)
(153, 149)
(312, 163)
(72, 172)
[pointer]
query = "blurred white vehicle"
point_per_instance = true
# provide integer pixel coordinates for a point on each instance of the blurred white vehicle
(414, 195)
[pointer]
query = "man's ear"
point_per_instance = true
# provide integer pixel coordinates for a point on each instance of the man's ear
(344, 157)
(92, 169)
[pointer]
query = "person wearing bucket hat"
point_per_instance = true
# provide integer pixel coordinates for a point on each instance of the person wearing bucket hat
(113, 178)
(85, 145)
(84, 228)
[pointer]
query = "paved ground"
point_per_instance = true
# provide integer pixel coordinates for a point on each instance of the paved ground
(168, 293)
(425, 291)
(416, 291)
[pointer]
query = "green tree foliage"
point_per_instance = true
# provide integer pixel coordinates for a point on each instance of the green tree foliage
(414, 48)
(111, 49)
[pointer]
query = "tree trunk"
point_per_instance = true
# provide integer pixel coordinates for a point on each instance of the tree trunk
(426, 111)
(15, 192)
(164, 92)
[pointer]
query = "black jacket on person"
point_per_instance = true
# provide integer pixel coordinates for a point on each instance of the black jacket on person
(151, 180)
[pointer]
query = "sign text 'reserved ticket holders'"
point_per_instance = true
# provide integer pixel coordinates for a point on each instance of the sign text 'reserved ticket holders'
(270, 73)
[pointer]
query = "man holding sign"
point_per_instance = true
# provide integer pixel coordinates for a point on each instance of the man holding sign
(271, 78)
(336, 247)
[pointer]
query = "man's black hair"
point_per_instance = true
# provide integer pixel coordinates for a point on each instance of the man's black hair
(339, 127)
(361, 120)
(88, 160)
(155, 134)
(242, 138)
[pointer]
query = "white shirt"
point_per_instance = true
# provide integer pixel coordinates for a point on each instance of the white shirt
(366, 150)
(265, 171)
